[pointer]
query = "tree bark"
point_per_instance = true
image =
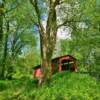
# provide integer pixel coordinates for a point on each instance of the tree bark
(48, 41)
(1, 20)
(2, 76)
(1, 31)
(47, 38)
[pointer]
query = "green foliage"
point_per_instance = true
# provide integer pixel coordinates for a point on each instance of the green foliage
(84, 42)
(3, 86)
(17, 27)
(62, 86)
(23, 66)
(22, 53)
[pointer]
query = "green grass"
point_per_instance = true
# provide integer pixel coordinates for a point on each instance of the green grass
(63, 86)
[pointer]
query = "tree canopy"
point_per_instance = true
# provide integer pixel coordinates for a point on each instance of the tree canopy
(31, 28)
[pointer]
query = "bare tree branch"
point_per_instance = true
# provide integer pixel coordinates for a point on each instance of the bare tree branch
(70, 21)
(35, 5)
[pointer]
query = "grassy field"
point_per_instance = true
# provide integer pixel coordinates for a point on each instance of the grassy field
(63, 86)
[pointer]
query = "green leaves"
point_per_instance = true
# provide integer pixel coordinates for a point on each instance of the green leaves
(29, 39)
(84, 40)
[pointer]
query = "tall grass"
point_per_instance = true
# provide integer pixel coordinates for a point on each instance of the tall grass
(62, 86)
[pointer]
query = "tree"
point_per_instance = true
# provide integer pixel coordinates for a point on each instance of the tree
(47, 36)
(1, 18)
(49, 33)
(5, 52)
(84, 42)
(17, 35)
(1, 28)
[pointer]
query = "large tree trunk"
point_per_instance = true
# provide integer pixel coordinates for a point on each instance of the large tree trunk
(47, 42)
(47, 38)
(45, 62)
